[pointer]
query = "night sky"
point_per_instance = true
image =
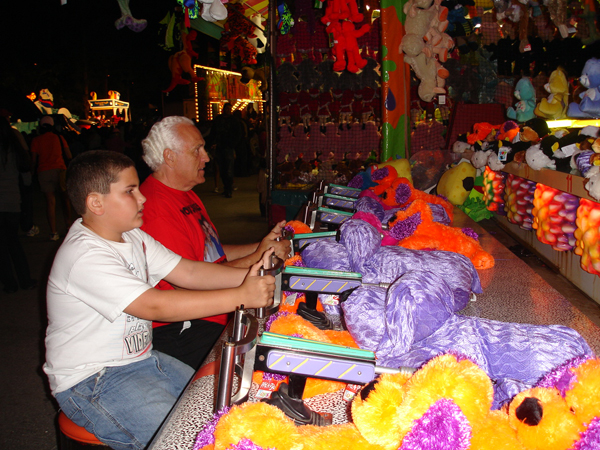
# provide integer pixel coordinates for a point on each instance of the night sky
(75, 49)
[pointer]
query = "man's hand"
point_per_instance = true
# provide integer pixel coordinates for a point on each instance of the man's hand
(257, 291)
(283, 248)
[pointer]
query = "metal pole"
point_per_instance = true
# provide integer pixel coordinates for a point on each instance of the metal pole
(226, 376)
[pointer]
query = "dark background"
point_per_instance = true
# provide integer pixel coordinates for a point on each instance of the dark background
(75, 49)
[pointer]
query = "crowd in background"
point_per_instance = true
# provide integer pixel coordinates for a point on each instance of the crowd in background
(245, 135)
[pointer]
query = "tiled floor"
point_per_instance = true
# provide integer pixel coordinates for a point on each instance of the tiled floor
(28, 411)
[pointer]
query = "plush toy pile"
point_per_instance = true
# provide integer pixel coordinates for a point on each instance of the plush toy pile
(494, 146)
(445, 405)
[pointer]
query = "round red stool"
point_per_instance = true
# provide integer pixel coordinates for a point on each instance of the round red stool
(74, 437)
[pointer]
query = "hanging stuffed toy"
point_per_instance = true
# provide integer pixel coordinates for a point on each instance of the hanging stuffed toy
(341, 10)
(181, 62)
(236, 33)
(45, 101)
(355, 62)
(258, 38)
(127, 20)
(286, 22)
(213, 10)
(248, 73)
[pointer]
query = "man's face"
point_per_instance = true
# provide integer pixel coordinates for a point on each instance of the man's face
(125, 202)
(190, 157)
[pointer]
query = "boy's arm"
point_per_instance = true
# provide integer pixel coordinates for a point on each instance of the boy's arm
(179, 305)
(201, 275)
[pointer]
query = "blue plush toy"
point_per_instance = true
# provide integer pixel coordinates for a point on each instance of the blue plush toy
(590, 99)
(524, 108)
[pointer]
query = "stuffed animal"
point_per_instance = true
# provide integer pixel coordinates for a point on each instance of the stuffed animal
(543, 420)
(127, 20)
(415, 229)
(425, 20)
(248, 73)
(214, 10)
(589, 106)
(555, 106)
(525, 93)
(258, 38)
(456, 183)
(558, 14)
(537, 159)
(355, 62)
(503, 152)
(461, 28)
(45, 101)
(401, 194)
(447, 401)
(431, 73)
(337, 10)
(181, 62)
(442, 402)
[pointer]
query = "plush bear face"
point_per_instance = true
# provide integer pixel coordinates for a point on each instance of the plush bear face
(524, 89)
(590, 77)
(480, 158)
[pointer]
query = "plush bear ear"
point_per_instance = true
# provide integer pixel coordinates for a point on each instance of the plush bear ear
(374, 409)
(443, 422)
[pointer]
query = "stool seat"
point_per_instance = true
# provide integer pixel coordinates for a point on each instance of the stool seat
(75, 432)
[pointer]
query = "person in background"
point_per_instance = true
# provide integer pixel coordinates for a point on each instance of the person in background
(226, 133)
(13, 160)
(48, 149)
(175, 216)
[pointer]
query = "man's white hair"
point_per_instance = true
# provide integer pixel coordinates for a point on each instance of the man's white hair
(162, 135)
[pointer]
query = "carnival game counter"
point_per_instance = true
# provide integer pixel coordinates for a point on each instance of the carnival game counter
(512, 292)
(566, 262)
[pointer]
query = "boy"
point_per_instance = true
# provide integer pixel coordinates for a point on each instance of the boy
(101, 301)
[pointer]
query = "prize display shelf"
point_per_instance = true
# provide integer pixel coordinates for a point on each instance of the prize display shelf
(566, 262)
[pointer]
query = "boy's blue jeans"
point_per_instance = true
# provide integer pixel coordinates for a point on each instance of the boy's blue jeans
(124, 406)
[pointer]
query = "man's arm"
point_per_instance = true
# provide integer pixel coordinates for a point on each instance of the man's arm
(179, 305)
(247, 254)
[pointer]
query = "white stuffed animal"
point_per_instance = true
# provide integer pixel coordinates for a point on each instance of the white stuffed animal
(593, 185)
(213, 10)
(537, 159)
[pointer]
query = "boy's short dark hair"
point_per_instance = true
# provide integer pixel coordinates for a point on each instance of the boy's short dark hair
(94, 171)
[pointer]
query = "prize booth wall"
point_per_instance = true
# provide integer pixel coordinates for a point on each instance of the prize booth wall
(406, 127)
(337, 121)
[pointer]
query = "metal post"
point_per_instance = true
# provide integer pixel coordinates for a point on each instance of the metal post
(226, 376)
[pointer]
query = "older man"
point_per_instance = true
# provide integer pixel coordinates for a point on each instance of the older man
(175, 216)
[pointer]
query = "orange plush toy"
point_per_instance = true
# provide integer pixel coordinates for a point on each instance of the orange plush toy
(401, 193)
(384, 177)
(414, 228)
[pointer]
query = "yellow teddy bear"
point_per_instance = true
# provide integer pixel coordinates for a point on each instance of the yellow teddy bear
(555, 106)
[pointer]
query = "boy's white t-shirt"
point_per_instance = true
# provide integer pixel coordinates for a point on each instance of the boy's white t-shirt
(91, 282)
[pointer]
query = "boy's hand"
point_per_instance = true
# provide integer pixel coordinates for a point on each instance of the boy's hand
(257, 291)
(283, 248)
